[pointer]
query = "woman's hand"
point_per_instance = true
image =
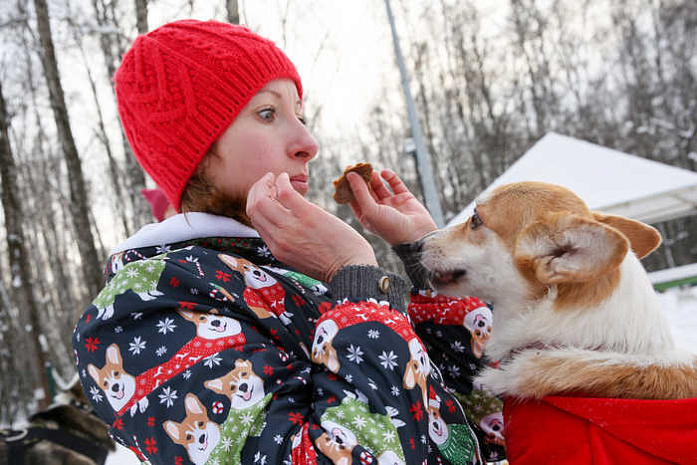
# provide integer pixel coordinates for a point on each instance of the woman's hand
(301, 234)
(396, 215)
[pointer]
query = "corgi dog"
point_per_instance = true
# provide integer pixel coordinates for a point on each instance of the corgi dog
(575, 313)
(323, 353)
(212, 326)
(256, 279)
(196, 433)
(418, 368)
(118, 386)
(244, 387)
(337, 443)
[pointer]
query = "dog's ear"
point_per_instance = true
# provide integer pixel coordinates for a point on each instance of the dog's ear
(215, 385)
(193, 405)
(172, 429)
(231, 262)
(565, 248)
(643, 238)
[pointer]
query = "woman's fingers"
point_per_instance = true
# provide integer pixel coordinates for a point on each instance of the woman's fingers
(263, 206)
(396, 184)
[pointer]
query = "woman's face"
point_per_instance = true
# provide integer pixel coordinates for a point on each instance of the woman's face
(268, 135)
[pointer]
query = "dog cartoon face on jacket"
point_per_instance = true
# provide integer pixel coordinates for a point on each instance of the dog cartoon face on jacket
(244, 387)
(479, 323)
(418, 368)
(196, 433)
(118, 386)
(254, 277)
(323, 352)
(437, 428)
(492, 425)
(336, 442)
(211, 325)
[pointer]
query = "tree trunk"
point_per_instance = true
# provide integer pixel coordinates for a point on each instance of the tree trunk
(79, 204)
(142, 16)
(233, 11)
(16, 248)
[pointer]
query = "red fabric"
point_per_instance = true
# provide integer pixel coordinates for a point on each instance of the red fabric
(181, 85)
(598, 431)
(158, 202)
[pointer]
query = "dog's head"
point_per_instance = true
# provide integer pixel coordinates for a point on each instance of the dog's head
(196, 433)
(336, 442)
(254, 277)
(118, 386)
(524, 238)
(211, 325)
(323, 353)
(244, 387)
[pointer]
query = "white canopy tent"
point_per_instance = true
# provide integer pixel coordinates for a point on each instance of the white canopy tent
(607, 180)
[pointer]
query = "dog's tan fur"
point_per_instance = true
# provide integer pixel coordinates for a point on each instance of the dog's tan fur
(574, 312)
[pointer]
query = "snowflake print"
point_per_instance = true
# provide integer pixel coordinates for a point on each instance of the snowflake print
(258, 458)
(264, 251)
(454, 371)
(395, 391)
(187, 374)
(131, 273)
(162, 249)
(247, 418)
(166, 325)
(389, 361)
(168, 396)
(227, 444)
(457, 346)
(96, 394)
(212, 360)
(137, 345)
(349, 378)
(118, 329)
(161, 351)
(355, 354)
(136, 315)
(388, 436)
(278, 439)
(359, 421)
(373, 334)
(193, 291)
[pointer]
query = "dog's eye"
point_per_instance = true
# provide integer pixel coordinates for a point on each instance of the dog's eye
(200, 423)
(188, 437)
(476, 221)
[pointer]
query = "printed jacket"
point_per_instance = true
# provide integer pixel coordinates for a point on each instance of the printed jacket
(202, 348)
(600, 431)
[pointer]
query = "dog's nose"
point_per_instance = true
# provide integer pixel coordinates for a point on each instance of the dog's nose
(202, 438)
(243, 387)
(115, 388)
(215, 323)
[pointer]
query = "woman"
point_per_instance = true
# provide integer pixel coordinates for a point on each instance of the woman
(255, 326)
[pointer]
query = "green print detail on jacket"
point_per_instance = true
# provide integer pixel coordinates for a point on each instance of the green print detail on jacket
(238, 427)
(375, 432)
(460, 446)
(141, 277)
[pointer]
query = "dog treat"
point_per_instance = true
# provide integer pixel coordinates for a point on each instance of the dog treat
(342, 189)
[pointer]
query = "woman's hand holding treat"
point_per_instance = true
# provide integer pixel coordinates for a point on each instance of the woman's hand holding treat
(394, 214)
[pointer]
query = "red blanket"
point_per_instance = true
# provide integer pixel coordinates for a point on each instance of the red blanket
(598, 431)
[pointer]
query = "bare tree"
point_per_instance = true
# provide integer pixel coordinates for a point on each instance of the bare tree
(79, 204)
(142, 16)
(16, 247)
(233, 11)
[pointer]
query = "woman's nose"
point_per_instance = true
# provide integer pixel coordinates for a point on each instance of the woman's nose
(304, 145)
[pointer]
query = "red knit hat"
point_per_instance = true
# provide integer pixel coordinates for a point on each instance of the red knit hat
(181, 85)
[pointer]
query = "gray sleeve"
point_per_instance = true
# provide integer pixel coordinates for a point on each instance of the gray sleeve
(410, 256)
(361, 282)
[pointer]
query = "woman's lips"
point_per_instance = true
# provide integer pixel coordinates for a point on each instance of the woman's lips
(300, 183)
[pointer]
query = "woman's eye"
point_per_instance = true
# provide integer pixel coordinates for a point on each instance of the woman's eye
(475, 221)
(267, 114)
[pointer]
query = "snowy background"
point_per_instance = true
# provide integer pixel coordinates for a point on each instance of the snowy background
(680, 305)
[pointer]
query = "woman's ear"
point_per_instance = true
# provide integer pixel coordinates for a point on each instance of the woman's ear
(643, 238)
(566, 248)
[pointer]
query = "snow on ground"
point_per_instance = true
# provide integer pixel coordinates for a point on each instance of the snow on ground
(680, 306)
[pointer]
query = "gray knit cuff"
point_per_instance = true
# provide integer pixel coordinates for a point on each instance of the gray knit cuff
(410, 254)
(361, 282)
